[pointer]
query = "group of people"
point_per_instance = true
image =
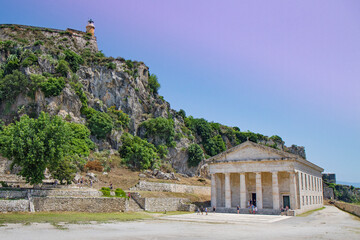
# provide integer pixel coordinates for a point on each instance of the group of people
(252, 207)
(202, 210)
(86, 182)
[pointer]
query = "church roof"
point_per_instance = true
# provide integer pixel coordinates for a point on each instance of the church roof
(266, 153)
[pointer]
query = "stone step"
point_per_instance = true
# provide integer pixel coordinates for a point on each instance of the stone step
(264, 211)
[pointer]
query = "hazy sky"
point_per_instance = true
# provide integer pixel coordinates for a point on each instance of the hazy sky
(290, 68)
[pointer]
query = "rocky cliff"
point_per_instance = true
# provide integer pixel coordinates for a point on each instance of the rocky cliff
(105, 82)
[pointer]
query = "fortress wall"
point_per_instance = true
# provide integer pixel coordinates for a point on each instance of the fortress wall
(348, 207)
(80, 204)
(164, 204)
(14, 205)
(171, 187)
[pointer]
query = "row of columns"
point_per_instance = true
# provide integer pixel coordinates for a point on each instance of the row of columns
(259, 197)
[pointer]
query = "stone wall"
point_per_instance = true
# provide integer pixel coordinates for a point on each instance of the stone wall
(13, 194)
(351, 208)
(14, 205)
(171, 187)
(22, 193)
(164, 204)
(80, 204)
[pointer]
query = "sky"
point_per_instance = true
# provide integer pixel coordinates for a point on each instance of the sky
(287, 68)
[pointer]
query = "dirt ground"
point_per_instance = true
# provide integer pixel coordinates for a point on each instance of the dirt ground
(126, 178)
(329, 223)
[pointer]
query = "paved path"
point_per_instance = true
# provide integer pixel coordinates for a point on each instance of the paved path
(227, 218)
(330, 223)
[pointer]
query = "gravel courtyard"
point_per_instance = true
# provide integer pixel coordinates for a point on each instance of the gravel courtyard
(329, 223)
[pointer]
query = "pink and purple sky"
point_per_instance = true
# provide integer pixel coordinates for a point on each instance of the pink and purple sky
(287, 68)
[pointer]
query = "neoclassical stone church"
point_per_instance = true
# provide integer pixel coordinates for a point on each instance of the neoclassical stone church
(269, 178)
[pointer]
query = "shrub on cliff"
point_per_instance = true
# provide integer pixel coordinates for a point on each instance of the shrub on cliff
(138, 153)
(154, 85)
(196, 155)
(53, 86)
(121, 119)
(161, 128)
(100, 124)
(62, 68)
(12, 85)
(73, 59)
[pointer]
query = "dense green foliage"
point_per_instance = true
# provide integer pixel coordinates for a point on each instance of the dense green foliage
(73, 59)
(345, 193)
(105, 191)
(53, 86)
(12, 85)
(46, 142)
(62, 68)
(121, 119)
(100, 123)
(154, 85)
(215, 145)
(161, 128)
(138, 153)
(12, 63)
(120, 193)
(196, 155)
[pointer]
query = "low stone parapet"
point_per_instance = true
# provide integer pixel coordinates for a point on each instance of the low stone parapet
(348, 207)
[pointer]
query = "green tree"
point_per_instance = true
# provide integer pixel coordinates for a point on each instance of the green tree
(46, 142)
(196, 155)
(161, 128)
(153, 83)
(12, 85)
(100, 124)
(35, 144)
(62, 68)
(137, 152)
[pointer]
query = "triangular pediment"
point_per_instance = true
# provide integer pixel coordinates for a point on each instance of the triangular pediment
(250, 151)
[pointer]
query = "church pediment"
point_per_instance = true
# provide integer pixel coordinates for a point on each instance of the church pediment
(250, 151)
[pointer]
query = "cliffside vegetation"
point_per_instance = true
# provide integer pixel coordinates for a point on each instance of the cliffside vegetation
(60, 98)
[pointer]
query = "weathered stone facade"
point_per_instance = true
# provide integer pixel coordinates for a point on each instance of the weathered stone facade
(171, 187)
(268, 178)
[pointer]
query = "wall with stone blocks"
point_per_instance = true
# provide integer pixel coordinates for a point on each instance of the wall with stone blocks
(80, 204)
(171, 187)
(22, 193)
(14, 205)
(162, 204)
(354, 209)
(13, 194)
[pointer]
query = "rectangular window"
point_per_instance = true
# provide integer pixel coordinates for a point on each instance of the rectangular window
(303, 200)
(302, 183)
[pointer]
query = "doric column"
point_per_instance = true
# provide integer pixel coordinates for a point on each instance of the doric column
(259, 202)
(275, 190)
(227, 191)
(242, 191)
(293, 194)
(213, 190)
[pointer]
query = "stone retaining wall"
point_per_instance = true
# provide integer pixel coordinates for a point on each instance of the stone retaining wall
(14, 205)
(80, 204)
(354, 209)
(13, 194)
(22, 193)
(164, 204)
(171, 187)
